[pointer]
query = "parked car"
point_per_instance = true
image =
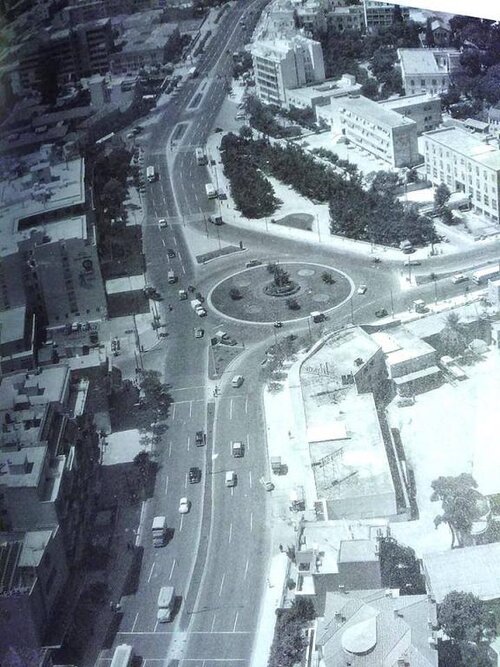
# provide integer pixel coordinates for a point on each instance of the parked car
(459, 278)
(162, 223)
(194, 475)
(184, 506)
(200, 438)
(253, 262)
(199, 333)
(171, 253)
(230, 478)
(362, 289)
(381, 312)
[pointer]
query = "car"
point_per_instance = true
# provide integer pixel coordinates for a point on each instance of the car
(278, 325)
(184, 506)
(230, 479)
(222, 196)
(199, 333)
(362, 289)
(162, 223)
(194, 475)
(459, 278)
(269, 486)
(200, 438)
(253, 262)
(381, 312)
(171, 253)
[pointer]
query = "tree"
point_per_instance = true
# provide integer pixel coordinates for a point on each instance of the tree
(429, 35)
(434, 276)
(235, 293)
(48, 74)
(441, 196)
(453, 338)
(384, 182)
(397, 14)
(459, 499)
(462, 617)
(370, 89)
(447, 215)
(112, 197)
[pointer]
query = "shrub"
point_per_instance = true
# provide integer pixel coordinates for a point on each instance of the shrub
(293, 304)
(235, 293)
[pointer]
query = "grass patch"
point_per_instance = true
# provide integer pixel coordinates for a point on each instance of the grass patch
(207, 256)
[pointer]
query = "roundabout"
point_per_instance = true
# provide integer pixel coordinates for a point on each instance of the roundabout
(284, 292)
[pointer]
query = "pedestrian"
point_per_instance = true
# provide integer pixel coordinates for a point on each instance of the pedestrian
(281, 548)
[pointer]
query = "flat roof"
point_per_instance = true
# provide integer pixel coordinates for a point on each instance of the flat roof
(407, 100)
(34, 544)
(125, 284)
(467, 144)
(371, 111)
(470, 569)
(39, 387)
(422, 61)
(12, 324)
(399, 345)
(23, 468)
(356, 551)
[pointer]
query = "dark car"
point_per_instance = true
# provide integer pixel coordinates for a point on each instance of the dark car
(200, 438)
(253, 262)
(170, 252)
(194, 475)
(381, 312)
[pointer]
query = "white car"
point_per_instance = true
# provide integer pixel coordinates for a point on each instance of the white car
(362, 289)
(184, 506)
(162, 223)
(230, 478)
(459, 278)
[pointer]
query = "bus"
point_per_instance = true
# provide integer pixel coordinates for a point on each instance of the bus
(151, 174)
(123, 656)
(201, 158)
(211, 191)
(488, 273)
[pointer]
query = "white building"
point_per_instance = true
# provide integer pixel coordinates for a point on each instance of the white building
(424, 109)
(464, 163)
(320, 94)
(427, 70)
(383, 132)
(285, 63)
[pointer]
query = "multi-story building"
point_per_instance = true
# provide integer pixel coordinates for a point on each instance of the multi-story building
(93, 43)
(311, 97)
(347, 18)
(142, 44)
(427, 70)
(380, 14)
(285, 63)
(17, 343)
(92, 10)
(465, 163)
(424, 109)
(383, 132)
(33, 571)
(494, 119)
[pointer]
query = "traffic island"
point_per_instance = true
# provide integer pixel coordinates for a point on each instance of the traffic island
(295, 290)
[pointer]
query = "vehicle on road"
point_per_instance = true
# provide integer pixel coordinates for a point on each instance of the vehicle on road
(123, 656)
(278, 324)
(183, 295)
(159, 530)
(211, 191)
(459, 278)
(253, 262)
(268, 485)
(199, 333)
(151, 174)
(406, 247)
(162, 223)
(192, 72)
(194, 475)
(483, 275)
(412, 262)
(237, 381)
(222, 195)
(171, 277)
(381, 312)
(362, 289)
(184, 506)
(151, 293)
(237, 449)
(198, 308)
(201, 158)
(200, 438)
(230, 479)
(222, 338)
(419, 306)
(215, 220)
(166, 601)
(170, 253)
(318, 316)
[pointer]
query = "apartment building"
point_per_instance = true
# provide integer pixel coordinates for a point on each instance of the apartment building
(311, 97)
(427, 70)
(285, 63)
(380, 14)
(383, 132)
(85, 10)
(424, 109)
(33, 571)
(465, 163)
(347, 18)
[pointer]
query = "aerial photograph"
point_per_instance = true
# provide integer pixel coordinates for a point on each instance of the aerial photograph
(249, 334)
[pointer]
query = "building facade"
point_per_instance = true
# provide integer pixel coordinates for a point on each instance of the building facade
(379, 15)
(466, 164)
(425, 110)
(427, 70)
(285, 63)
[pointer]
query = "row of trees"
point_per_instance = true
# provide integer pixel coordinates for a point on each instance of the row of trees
(251, 191)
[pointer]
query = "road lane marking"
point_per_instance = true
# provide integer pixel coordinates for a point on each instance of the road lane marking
(230, 532)
(246, 570)
(231, 408)
(246, 405)
(250, 477)
(213, 623)
(189, 441)
(166, 486)
(235, 621)
(190, 409)
(169, 447)
(175, 240)
(173, 411)
(182, 520)
(156, 625)
(251, 521)
(164, 244)
(135, 621)
(232, 491)
(248, 442)
(171, 570)
(222, 584)
(151, 571)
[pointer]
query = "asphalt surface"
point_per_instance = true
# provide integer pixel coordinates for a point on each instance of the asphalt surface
(217, 554)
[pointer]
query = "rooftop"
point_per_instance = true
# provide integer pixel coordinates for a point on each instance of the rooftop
(23, 468)
(467, 144)
(371, 111)
(423, 61)
(401, 345)
(357, 551)
(12, 324)
(471, 569)
(407, 100)
(34, 547)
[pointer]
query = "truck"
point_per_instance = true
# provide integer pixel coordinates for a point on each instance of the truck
(488, 273)
(198, 308)
(201, 158)
(166, 601)
(123, 656)
(211, 191)
(159, 531)
(151, 174)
